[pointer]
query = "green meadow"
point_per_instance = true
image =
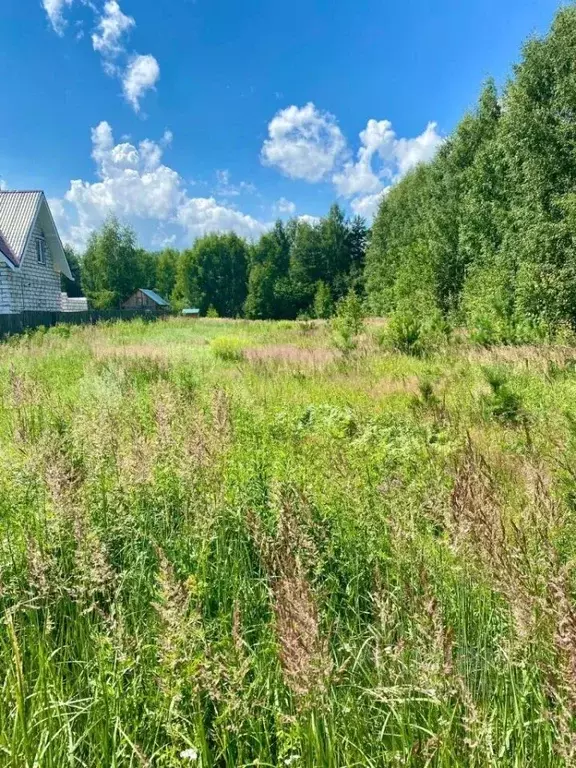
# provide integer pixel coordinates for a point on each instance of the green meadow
(233, 543)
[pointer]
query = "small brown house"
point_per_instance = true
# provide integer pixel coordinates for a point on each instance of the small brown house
(146, 299)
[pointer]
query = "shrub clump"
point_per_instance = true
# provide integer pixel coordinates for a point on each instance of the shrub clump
(415, 334)
(348, 323)
(227, 348)
(502, 404)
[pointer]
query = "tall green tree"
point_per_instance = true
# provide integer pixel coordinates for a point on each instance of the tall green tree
(358, 240)
(429, 222)
(306, 265)
(111, 265)
(167, 272)
(269, 294)
(214, 274)
(335, 251)
(147, 263)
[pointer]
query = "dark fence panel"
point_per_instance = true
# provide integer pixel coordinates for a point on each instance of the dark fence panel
(10, 324)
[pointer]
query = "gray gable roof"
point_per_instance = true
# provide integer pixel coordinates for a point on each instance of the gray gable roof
(155, 297)
(18, 211)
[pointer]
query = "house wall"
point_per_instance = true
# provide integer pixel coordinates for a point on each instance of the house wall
(73, 304)
(35, 286)
(139, 300)
(5, 289)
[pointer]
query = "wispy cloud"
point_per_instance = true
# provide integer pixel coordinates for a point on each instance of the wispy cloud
(141, 75)
(138, 73)
(284, 206)
(55, 12)
(112, 26)
(225, 188)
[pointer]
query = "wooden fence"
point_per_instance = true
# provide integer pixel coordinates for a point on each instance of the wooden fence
(18, 323)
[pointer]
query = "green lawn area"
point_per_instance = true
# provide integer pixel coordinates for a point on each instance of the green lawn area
(226, 543)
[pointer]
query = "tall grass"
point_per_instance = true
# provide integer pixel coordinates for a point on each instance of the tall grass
(259, 561)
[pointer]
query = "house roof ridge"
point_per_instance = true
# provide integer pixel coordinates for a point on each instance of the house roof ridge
(18, 211)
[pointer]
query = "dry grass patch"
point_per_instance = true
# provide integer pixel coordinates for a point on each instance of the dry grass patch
(291, 355)
(156, 352)
(534, 358)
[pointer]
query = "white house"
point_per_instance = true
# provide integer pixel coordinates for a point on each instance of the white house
(31, 254)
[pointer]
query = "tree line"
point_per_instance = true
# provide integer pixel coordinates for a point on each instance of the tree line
(485, 234)
(297, 269)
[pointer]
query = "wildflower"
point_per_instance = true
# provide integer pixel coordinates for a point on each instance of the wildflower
(189, 754)
(291, 759)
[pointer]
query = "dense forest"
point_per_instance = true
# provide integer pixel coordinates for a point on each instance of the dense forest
(483, 236)
(296, 269)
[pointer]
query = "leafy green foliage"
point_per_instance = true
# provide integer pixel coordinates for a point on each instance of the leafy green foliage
(323, 302)
(291, 264)
(227, 348)
(110, 267)
(503, 404)
(278, 277)
(72, 287)
(488, 228)
(167, 273)
(214, 273)
(348, 322)
(268, 295)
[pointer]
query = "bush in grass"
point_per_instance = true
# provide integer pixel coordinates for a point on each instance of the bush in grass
(227, 348)
(212, 312)
(348, 322)
(502, 404)
(414, 333)
(323, 303)
(62, 330)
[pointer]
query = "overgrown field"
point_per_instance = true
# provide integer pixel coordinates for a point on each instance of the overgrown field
(228, 544)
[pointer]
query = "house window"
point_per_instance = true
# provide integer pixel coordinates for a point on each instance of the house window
(41, 250)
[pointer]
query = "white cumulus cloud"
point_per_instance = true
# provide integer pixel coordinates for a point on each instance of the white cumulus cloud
(141, 75)
(304, 143)
(55, 12)
(307, 219)
(411, 152)
(112, 26)
(200, 215)
(136, 185)
(383, 159)
(367, 206)
(284, 206)
(378, 138)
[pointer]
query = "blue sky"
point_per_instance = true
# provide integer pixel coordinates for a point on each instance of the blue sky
(186, 116)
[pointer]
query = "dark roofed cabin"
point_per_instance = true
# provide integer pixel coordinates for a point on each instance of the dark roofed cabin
(146, 299)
